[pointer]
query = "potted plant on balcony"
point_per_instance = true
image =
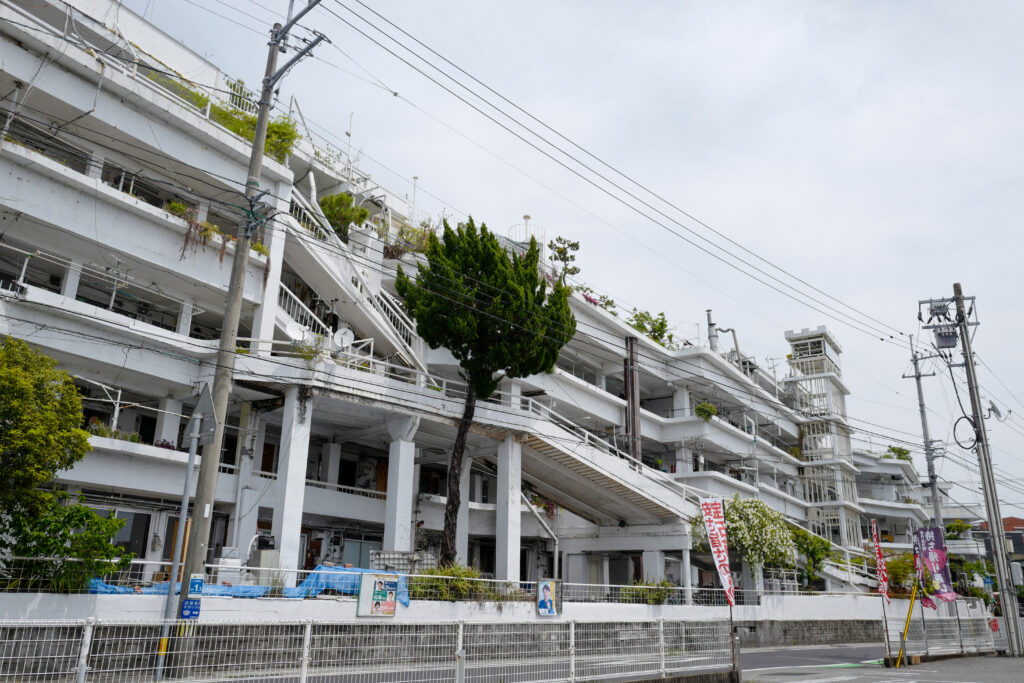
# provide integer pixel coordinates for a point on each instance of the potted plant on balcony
(705, 411)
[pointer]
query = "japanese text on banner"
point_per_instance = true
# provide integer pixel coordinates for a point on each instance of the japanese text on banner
(713, 510)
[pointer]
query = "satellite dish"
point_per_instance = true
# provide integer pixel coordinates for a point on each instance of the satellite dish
(343, 338)
(995, 411)
(294, 331)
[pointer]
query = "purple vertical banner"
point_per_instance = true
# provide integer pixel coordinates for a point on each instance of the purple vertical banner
(930, 547)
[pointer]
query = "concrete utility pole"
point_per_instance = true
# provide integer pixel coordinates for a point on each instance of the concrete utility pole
(929, 447)
(1007, 594)
(195, 558)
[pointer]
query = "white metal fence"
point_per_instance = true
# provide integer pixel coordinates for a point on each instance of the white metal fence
(960, 627)
(362, 651)
(26, 575)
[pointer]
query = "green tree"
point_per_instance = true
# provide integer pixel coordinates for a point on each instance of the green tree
(63, 546)
(896, 452)
(496, 316)
(654, 327)
(564, 251)
(755, 532)
(340, 213)
(814, 549)
(40, 416)
(40, 420)
(901, 572)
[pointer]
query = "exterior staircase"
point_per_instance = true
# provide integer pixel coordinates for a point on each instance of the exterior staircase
(382, 311)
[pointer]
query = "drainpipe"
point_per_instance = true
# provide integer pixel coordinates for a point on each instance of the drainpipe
(712, 333)
(541, 521)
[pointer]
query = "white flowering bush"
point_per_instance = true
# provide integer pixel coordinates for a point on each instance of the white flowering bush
(757, 533)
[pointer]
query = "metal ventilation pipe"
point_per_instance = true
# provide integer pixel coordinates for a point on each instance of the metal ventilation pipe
(712, 333)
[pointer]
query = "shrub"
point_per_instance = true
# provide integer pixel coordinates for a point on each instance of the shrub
(281, 132)
(646, 592)
(176, 207)
(705, 411)
(448, 584)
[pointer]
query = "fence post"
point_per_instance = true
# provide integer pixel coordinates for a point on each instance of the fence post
(924, 630)
(959, 628)
(307, 631)
(661, 645)
(572, 650)
(460, 654)
(83, 653)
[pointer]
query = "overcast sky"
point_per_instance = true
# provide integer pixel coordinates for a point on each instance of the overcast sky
(872, 149)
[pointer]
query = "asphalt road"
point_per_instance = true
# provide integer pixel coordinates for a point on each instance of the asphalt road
(845, 664)
(823, 655)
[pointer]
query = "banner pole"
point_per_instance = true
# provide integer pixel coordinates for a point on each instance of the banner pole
(906, 627)
(885, 628)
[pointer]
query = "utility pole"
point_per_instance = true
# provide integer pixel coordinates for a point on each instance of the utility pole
(929, 445)
(202, 512)
(1007, 595)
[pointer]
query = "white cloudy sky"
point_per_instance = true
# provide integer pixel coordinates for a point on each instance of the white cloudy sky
(873, 149)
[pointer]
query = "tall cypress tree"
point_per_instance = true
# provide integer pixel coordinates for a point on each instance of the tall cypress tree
(496, 315)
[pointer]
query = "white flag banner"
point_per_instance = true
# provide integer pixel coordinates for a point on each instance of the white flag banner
(713, 510)
(880, 568)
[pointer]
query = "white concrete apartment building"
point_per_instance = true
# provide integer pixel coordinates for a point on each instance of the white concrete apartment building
(338, 443)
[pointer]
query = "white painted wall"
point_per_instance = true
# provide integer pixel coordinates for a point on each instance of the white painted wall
(123, 607)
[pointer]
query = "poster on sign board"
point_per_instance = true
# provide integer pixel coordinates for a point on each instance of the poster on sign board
(377, 595)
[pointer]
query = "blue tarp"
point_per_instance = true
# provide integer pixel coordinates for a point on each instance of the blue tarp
(337, 579)
(98, 586)
(340, 580)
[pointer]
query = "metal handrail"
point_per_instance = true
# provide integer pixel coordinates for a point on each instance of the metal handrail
(402, 327)
(299, 312)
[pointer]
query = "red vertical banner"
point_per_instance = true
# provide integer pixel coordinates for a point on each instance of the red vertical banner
(713, 510)
(880, 568)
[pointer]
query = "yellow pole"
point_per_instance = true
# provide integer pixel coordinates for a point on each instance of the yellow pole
(906, 626)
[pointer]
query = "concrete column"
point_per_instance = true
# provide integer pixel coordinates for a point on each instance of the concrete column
(202, 211)
(462, 521)
(72, 276)
(681, 402)
(477, 489)
(273, 240)
(684, 459)
(291, 479)
(398, 532)
(512, 393)
(654, 565)
(184, 326)
(94, 169)
(168, 423)
(257, 446)
(332, 456)
(686, 575)
(506, 537)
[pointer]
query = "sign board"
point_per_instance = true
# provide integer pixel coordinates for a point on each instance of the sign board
(204, 410)
(547, 602)
(989, 582)
(377, 595)
(713, 510)
(189, 608)
(190, 605)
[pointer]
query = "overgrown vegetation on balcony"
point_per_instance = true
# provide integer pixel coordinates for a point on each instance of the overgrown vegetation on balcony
(340, 212)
